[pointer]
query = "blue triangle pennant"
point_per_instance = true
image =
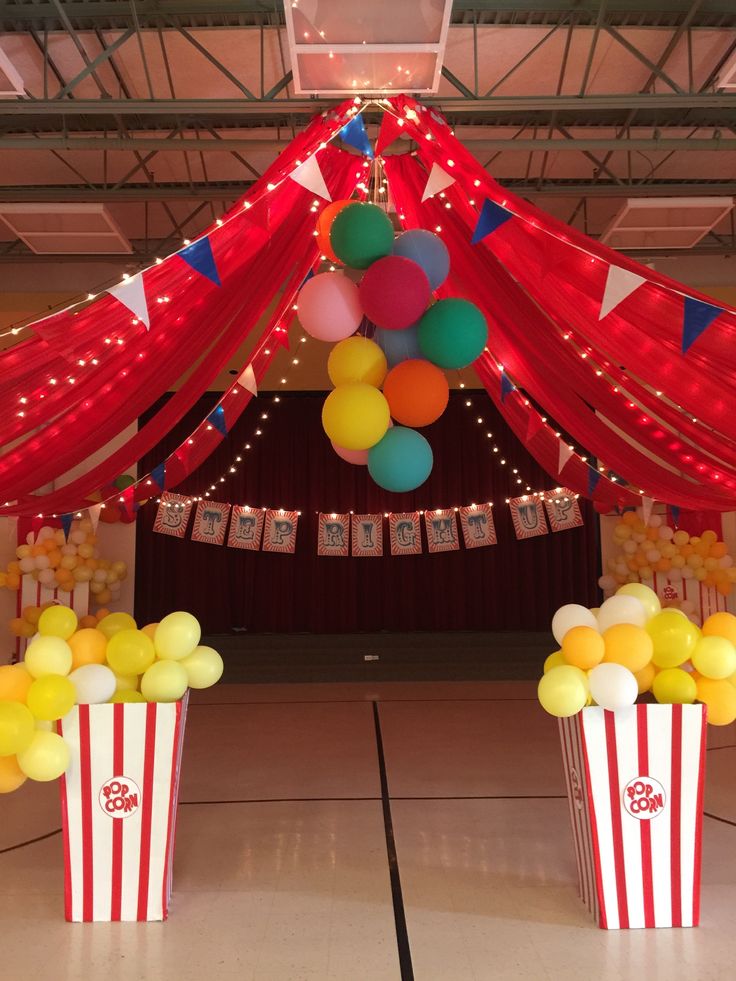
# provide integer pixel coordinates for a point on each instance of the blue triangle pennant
(675, 512)
(306, 279)
(217, 419)
(66, 523)
(507, 386)
(491, 217)
(354, 134)
(594, 477)
(199, 256)
(697, 318)
(159, 476)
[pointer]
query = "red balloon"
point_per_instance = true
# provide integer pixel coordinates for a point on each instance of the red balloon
(417, 392)
(394, 292)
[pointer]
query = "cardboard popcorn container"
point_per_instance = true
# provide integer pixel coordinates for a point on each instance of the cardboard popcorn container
(118, 803)
(635, 787)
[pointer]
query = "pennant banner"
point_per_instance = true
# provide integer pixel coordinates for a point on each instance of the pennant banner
(199, 256)
(697, 318)
(246, 527)
(647, 503)
(367, 535)
(94, 516)
(620, 283)
(158, 475)
(354, 134)
(565, 453)
(491, 217)
(527, 514)
(210, 522)
(172, 515)
(437, 181)
(216, 418)
(333, 536)
(441, 528)
(132, 294)
(391, 129)
(476, 521)
(507, 386)
(279, 533)
(563, 510)
(310, 176)
(405, 533)
(247, 380)
(66, 523)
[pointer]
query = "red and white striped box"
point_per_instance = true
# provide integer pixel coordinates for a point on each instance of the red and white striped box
(118, 803)
(635, 787)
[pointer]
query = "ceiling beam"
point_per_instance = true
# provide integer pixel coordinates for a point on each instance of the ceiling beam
(232, 190)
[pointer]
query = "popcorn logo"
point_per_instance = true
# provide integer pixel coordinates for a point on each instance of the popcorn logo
(120, 797)
(644, 798)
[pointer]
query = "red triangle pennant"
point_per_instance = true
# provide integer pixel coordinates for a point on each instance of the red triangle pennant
(391, 129)
(534, 425)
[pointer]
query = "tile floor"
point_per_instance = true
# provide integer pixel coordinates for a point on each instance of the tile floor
(282, 869)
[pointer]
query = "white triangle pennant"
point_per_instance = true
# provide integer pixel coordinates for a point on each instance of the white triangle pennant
(437, 181)
(247, 380)
(310, 176)
(620, 283)
(94, 516)
(132, 294)
(565, 453)
(647, 503)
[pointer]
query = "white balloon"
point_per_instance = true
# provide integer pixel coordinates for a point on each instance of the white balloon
(687, 572)
(28, 564)
(612, 686)
(94, 683)
(607, 583)
(46, 576)
(666, 533)
(78, 537)
(655, 520)
(629, 547)
(621, 609)
(569, 616)
(68, 549)
(99, 575)
(44, 533)
(639, 536)
(653, 555)
(726, 562)
(675, 575)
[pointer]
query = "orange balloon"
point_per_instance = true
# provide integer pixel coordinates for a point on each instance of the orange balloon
(417, 392)
(88, 621)
(718, 550)
(149, 630)
(89, 646)
(102, 613)
(14, 683)
(324, 224)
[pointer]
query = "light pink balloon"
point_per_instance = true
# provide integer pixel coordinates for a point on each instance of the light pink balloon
(358, 457)
(329, 307)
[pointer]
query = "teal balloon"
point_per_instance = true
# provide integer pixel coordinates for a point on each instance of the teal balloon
(360, 234)
(453, 333)
(401, 461)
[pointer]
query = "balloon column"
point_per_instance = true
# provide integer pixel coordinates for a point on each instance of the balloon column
(73, 663)
(631, 647)
(655, 548)
(387, 336)
(60, 562)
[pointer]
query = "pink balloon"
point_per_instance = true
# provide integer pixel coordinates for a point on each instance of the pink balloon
(329, 307)
(358, 457)
(394, 292)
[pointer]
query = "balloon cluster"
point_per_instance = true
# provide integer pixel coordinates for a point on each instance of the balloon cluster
(630, 647)
(58, 562)
(73, 662)
(116, 510)
(403, 349)
(656, 548)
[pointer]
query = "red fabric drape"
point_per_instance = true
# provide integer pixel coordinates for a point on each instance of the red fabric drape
(513, 585)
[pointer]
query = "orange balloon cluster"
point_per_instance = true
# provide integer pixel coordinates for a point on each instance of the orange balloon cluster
(58, 562)
(656, 548)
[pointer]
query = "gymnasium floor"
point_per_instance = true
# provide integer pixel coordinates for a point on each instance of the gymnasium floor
(362, 832)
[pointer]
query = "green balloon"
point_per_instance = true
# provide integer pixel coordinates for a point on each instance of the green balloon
(360, 234)
(452, 333)
(123, 481)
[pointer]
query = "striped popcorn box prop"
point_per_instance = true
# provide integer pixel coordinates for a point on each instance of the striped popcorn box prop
(118, 802)
(635, 788)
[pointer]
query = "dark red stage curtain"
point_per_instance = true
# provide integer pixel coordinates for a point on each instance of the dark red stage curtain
(515, 585)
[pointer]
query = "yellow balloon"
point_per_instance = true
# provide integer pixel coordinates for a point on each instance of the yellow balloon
(88, 647)
(127, 696)
(674, 638)
(646, 596)
(203, 666)
(16, 728)
(51, 697)
(645, 677)
(720, 697)
(673, 686)
(356, 359)
(126, 682)
(355, 416)
(583, 647)
(130, 652)
(113, 623)
(554, 661)
(46, 758)
(176, 636)
(721, 625)
(48, 655)
(14, 683)
(57, 621)
(714, 657)
(628, 645)
(165, 681)
(11, 775)
(563, 691)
